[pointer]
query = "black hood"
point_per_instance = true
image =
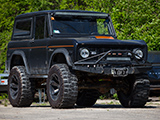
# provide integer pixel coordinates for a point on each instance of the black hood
(95, 41)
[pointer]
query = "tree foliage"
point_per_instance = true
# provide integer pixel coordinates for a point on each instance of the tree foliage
(132, 19)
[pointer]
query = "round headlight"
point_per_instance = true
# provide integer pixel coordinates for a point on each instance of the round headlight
(84, 53)
(138, 53)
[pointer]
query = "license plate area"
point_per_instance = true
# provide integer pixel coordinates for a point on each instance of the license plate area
(119, 72)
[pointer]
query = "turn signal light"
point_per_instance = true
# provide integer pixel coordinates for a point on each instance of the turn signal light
(119, 54)
(114, 53)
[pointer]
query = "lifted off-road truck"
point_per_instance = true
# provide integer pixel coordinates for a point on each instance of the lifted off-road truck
(76, 55)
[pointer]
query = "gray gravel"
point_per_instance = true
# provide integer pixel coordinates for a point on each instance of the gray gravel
(103, 110)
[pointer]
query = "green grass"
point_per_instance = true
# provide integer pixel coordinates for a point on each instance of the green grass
(4, 99)
(40, 104)
(102, 97)
(115, 96)
(113, 103)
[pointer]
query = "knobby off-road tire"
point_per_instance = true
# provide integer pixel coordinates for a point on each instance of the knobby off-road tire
(137, 95)
(87, 98)
(62, 87)
(20, 88)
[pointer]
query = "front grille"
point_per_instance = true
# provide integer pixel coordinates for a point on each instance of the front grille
(115, 55)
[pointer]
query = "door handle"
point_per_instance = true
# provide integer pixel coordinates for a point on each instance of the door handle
(32, 40)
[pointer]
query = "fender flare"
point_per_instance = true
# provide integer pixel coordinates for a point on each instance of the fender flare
(65, 53)
(22, 54)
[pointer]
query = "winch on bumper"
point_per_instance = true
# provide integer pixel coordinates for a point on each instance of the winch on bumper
(115, 66)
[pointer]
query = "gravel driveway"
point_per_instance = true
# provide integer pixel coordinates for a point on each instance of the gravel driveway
(102, 110)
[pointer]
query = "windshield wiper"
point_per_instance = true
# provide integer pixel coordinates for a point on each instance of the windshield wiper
(94, 33)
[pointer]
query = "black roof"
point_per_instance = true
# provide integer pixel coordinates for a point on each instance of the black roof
(64, 12)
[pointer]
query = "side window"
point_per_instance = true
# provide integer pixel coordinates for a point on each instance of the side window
(23, 28)
(39, 30)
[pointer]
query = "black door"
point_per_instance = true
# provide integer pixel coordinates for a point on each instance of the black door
(38, 46)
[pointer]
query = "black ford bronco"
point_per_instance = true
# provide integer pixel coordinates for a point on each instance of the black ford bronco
(76, 55)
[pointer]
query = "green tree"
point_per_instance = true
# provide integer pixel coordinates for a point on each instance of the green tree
(9, 9)
(132, 19)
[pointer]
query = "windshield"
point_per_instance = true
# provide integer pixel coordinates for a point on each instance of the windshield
(80, 26)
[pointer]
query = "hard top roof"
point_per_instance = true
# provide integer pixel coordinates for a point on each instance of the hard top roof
(64, 12)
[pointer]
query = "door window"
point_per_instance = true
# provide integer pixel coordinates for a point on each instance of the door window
(39, 31)
(41, 28)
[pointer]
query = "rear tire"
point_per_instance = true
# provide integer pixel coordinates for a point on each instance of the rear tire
(137, 94)
(62, 87)
(87, 98)
(20, 88)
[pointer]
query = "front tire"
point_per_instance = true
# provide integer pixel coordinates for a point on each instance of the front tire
(87, 98)
(135, 94)
(20, 88)
(62, 87)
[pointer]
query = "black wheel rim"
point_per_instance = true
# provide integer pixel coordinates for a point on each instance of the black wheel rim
(54, 87)
(14, 87)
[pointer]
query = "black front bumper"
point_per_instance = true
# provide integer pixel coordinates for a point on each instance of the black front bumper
(106, 70)
(100, 64)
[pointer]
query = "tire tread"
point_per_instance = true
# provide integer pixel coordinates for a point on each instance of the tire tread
(26, 89)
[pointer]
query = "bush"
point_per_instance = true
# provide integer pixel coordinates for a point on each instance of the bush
(132, 19)
(4, 99)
